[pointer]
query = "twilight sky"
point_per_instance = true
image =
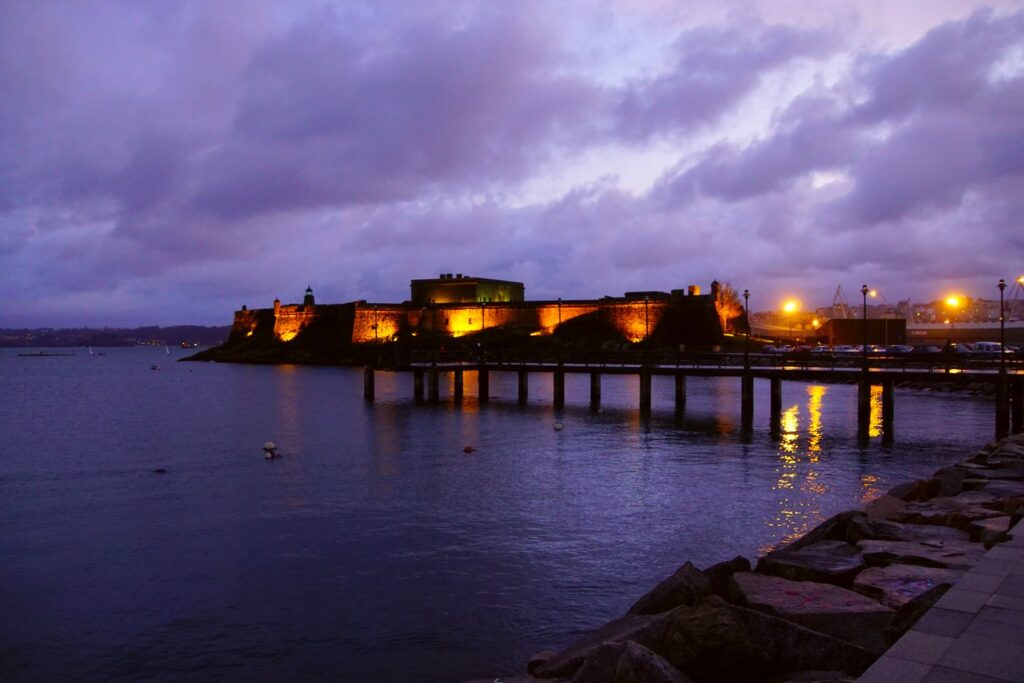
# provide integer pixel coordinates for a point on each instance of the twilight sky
(166, 162)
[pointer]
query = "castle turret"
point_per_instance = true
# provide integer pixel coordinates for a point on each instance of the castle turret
(277, 308)
(308, 299)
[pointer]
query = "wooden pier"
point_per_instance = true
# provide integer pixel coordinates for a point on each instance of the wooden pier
(1008, 381)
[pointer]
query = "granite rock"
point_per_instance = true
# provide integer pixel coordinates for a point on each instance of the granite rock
(898, 584)
(835, 562)
(942, 554)
(627, 663)
(687, 586)
(822, 607)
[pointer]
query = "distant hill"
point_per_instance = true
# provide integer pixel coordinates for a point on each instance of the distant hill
(175, 335)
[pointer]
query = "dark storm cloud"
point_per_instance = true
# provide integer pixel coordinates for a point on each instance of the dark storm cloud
(147, 149)
(714, 69)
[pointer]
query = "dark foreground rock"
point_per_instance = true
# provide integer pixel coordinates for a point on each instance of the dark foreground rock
(687, 586)
(627, 663)
(898, 584)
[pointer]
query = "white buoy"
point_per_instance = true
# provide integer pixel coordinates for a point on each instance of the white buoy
(270, 450)
(558, 426)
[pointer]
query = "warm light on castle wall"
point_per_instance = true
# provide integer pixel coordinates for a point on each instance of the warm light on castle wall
(376, 324)
(548, 315)
(289, 321)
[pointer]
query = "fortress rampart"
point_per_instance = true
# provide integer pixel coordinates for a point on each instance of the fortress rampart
(675, 317)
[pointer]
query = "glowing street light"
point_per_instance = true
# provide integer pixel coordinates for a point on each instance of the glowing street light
(953, 303)
(789, 307)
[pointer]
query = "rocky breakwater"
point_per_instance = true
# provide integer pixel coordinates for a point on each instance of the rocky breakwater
(820, 609)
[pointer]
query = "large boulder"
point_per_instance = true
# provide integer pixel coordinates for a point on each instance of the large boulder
(1002, 488)
(709, 643)
(642, 629)
(822, 607)
(942, 554)
(990, 531)
(898, 584)
(908, 615)
(885, 530)
(687, 586)
(950, 481)
(919, 489)
(958, 512)
(884, 507)
(719, 574)
(796, 648)
(834, 562)
(832, 529)
(627, 663)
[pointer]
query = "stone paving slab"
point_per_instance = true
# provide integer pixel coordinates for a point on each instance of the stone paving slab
(973, 634)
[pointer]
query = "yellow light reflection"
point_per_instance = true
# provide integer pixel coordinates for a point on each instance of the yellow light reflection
(869, 482)
(790, 424)
(816, 394)
(875, 416)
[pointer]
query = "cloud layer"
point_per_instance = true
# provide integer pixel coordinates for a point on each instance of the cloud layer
(165, 163)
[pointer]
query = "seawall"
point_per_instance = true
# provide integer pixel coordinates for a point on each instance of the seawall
(823, 608)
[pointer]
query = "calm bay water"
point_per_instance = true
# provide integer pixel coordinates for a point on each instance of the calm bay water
(376, 549)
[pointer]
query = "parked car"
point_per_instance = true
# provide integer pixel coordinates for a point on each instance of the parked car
(846, 348)
(900, 348)
(927, 348)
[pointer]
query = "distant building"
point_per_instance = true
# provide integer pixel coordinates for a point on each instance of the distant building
(463, 289)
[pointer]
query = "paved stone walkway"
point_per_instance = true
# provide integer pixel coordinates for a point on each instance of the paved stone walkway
(973, 634)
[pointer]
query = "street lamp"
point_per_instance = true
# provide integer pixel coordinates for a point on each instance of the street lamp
(864, 324)
(746, 315)
(1002, 328)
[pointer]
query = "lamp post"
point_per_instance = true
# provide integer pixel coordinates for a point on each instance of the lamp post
(864, 325)
(1002, 329)
(746, 315)
(483, 314)
(646, 323)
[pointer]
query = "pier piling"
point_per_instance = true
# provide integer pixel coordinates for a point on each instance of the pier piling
(457, 390)
(417, 385)
(484, 383)
(888, 411)
(368, 383)
(524, 386)
(775, 390)
(680, 394)
(1017, 407)
(1002, 407)
(433, 389)
(559, 387)
(747, 403)
(863, 409)
(645, 390)
(595, 390)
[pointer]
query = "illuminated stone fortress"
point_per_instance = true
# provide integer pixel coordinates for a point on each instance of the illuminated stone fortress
(459, 305)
